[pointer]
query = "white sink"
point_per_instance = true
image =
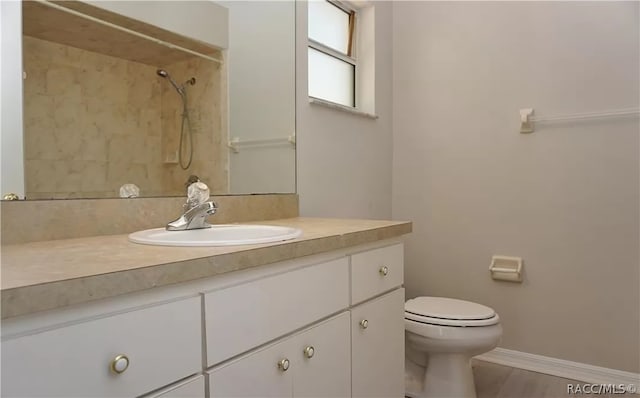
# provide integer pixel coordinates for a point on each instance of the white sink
(217, 235)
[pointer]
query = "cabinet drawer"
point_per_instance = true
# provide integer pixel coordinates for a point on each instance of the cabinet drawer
(247, 315)
(162, 343)
(376, 271)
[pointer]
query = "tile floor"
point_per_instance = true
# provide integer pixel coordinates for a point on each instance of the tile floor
(497, 381)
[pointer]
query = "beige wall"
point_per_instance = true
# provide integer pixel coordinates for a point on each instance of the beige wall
(344, 160)
(94, 122)
(565, 198)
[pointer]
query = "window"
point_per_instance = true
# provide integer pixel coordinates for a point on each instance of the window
(332, 61)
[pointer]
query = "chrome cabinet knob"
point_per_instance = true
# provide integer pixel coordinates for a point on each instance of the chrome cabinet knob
(120, 364)
(283, 364)
(309, 351)
(364, 323)
(10, 196)
(384, 270)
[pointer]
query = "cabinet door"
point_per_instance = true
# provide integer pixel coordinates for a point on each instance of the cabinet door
(323, 372)
(256, 374)
(377, 346)
(190, 388)
(322, 365)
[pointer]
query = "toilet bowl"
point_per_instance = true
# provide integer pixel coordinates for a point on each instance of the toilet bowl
(442, 335)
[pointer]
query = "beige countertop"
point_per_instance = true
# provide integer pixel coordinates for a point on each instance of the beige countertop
(50, 274)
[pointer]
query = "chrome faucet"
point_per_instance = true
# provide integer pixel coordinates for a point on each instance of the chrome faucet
(194, 218)
(197, 208)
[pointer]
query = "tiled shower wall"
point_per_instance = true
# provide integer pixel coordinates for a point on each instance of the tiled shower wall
(93, 122)
(209, 143)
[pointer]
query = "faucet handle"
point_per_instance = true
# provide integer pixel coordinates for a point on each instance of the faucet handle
(197, 194)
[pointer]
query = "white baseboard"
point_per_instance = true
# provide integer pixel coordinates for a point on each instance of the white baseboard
(560, 367)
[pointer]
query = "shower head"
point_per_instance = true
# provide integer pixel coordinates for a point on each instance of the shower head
(166, 75)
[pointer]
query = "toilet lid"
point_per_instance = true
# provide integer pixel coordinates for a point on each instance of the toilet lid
(447, 308)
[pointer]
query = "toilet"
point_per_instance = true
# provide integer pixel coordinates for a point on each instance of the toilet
(442, 335)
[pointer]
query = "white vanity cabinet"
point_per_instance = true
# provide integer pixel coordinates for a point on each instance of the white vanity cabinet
(313, 363)
(253, 313)
(328, 325)
(366, 344)
(376, 271)
(190, 388)
(121, 355)
(377, 324)
(377, 351)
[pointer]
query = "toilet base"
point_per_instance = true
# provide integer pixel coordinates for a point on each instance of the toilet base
(449, 375)
(413, 379)
(446, 376)
(445, 352)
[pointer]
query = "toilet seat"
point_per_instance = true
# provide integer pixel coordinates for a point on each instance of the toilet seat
(443, 311)
(451, 322)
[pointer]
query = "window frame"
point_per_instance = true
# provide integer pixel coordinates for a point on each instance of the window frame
(350, 57)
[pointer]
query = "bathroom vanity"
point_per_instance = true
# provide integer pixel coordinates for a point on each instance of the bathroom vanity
(321, 315)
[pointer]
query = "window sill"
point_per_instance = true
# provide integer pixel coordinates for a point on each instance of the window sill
(343, 108)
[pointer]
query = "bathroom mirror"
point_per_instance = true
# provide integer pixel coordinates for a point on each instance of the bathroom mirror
(140, 107)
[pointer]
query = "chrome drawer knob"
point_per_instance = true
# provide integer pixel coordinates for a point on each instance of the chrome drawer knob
(10, 196)
(283, 365)
(120, 364)
(309, 351)
(384, 270)
(364, 324)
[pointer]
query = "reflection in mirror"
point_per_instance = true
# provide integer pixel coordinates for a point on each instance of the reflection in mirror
(261, 67)
(106, 106)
